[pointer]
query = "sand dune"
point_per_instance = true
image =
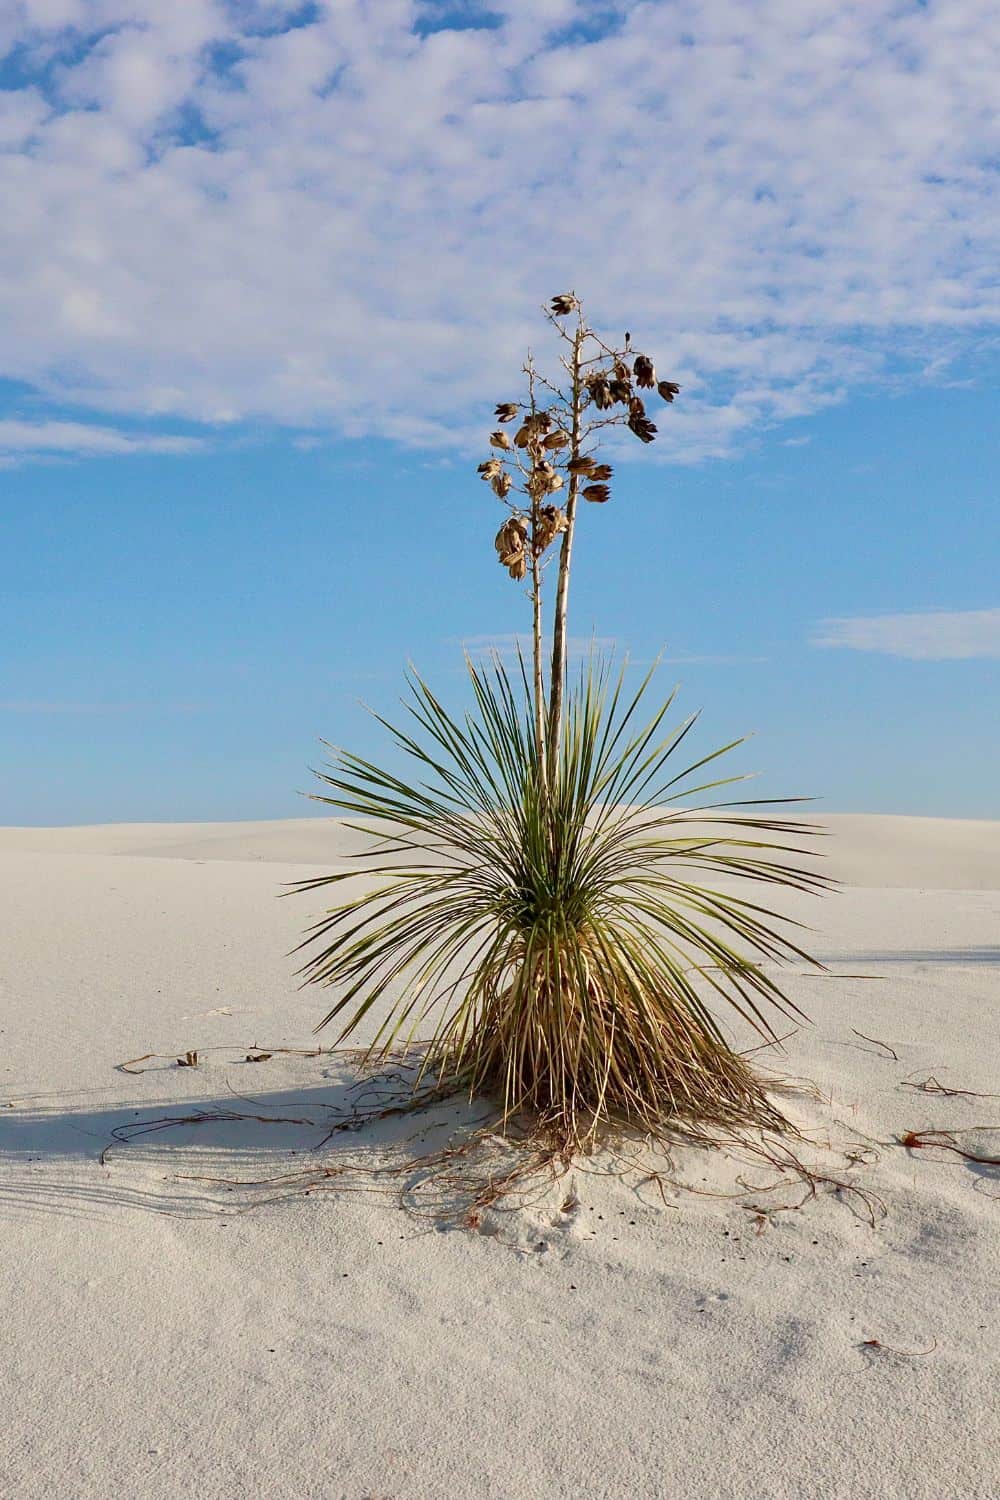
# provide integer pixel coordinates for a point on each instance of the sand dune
(955, 854)
(163, 1338)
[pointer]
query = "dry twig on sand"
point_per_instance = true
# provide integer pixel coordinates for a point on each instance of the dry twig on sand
(932, 1085)
(922, 1140)
(876, 1043)
(877, 1344)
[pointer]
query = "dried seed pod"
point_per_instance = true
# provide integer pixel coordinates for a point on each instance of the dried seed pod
(668, 389)
(622, 372)
(636, 407)
(564, 304)
(583, 465)
(511, 537)
(490, 469)
(549, 523)
(544, 479)
(542, 536)
(645, 375)
(598, 493)
(499, 440)
(518, 568)
(643, 428)
(542, 482)
(600, 391)
(620, 391)
(602, 472)
(506, 411)
(522, 435)
(502, 484)
(558, 439)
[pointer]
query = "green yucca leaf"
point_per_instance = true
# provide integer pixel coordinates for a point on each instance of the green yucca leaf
(564, 931)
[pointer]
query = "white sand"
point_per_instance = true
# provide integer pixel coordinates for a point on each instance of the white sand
(157, 1344)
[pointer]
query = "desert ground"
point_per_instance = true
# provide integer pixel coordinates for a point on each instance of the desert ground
(717, 1330)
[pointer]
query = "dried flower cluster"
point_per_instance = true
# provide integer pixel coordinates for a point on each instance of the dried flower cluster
(543, 460)
(547, 451)
(510, 543)
(533, 526)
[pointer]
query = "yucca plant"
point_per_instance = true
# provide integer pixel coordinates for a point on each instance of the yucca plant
(544, 918)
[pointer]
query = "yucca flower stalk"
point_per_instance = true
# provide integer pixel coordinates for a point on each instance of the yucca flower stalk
(543, 917)
(552, 450)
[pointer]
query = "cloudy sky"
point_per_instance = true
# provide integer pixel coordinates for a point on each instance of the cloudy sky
(265, 268)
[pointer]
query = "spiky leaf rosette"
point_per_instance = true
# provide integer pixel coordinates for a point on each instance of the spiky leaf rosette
(561, 951)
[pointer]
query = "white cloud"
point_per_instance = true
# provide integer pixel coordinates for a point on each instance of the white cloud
(689, 659)
(937, 635)
(349, 224)
(579, 647)
(22, 440)
(507, 646)
(56, 706)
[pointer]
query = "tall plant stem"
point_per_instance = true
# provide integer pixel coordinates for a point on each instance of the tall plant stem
(558, 681)
(536, 655)
(538, 676)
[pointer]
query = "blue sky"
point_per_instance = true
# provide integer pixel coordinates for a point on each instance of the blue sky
(251, 330)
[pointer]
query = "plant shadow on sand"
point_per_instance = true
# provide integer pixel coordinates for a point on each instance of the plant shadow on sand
(443, 1160)
(224, 1147)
